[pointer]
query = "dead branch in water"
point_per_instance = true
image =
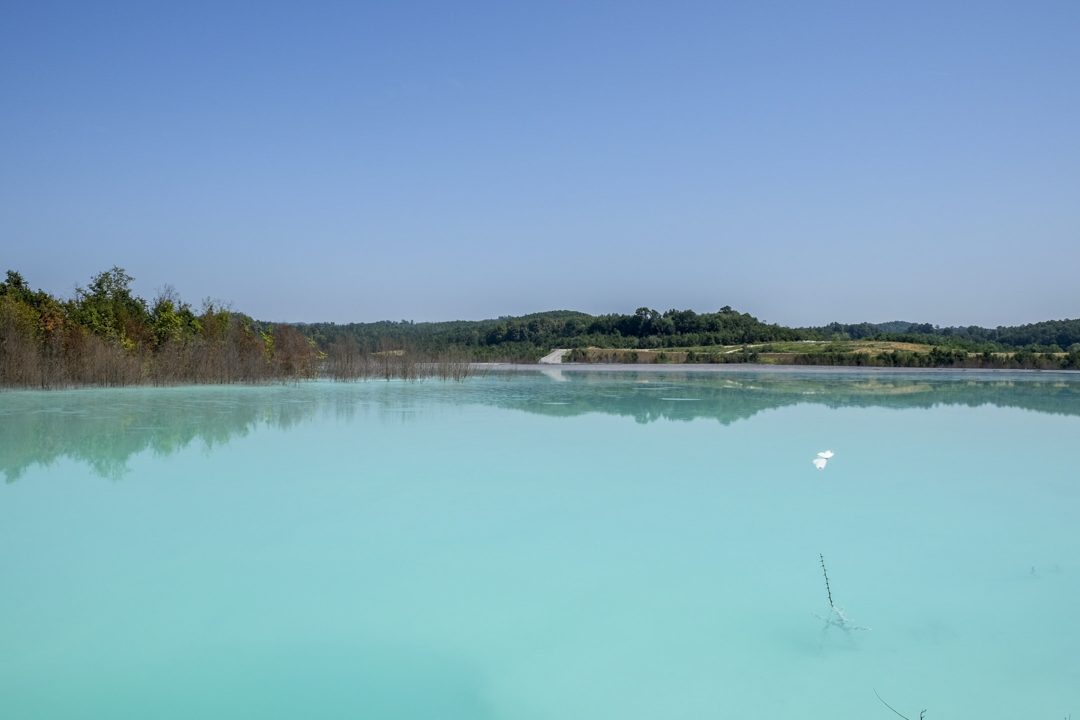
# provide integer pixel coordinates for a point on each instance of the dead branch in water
(894, 709)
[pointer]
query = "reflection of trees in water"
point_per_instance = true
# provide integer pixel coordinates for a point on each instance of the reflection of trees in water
(105, 428)
(727, 399)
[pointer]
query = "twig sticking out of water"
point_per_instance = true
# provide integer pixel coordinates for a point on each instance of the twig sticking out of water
(836, 614)
(894, 709)
(826, 573)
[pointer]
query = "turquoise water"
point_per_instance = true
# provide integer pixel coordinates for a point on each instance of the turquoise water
(531, 546)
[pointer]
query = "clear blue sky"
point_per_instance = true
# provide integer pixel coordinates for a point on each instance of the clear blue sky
(805, 162)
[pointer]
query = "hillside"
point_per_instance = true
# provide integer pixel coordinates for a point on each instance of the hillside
(106, 335)
(1049, 335)
(535, 334)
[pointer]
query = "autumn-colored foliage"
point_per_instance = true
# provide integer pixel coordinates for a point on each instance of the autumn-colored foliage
(107, 336)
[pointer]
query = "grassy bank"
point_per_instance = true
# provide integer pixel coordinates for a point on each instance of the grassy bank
(838, 353)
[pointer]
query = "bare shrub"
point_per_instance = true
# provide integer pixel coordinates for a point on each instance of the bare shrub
(229, 351)
(294, 356)
(20, 362)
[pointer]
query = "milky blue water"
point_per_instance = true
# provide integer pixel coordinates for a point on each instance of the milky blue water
(544, 546)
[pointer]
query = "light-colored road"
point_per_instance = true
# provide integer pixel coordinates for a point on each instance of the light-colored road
(553, 358)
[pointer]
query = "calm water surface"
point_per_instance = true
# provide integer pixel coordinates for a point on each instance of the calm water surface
(544, 546)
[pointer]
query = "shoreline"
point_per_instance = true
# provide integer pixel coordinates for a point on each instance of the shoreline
(753, 368)
(556, 372)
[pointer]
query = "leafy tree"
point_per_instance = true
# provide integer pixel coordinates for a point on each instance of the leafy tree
(108, 309)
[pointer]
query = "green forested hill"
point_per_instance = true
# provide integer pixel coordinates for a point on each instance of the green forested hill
(530, 335)
(537, 333)
(1054, 335)
(106, 335)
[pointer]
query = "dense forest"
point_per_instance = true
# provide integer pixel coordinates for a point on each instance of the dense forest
(531, 336)
(106, 335)
(1048, 336)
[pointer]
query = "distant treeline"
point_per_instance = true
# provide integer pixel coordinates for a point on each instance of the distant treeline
(105, 335)
(531, 336)
(1049, 336)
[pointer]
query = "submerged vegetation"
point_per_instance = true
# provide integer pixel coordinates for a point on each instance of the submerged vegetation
(106, 336)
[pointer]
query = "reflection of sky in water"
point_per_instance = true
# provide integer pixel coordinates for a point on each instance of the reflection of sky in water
(544, 548)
